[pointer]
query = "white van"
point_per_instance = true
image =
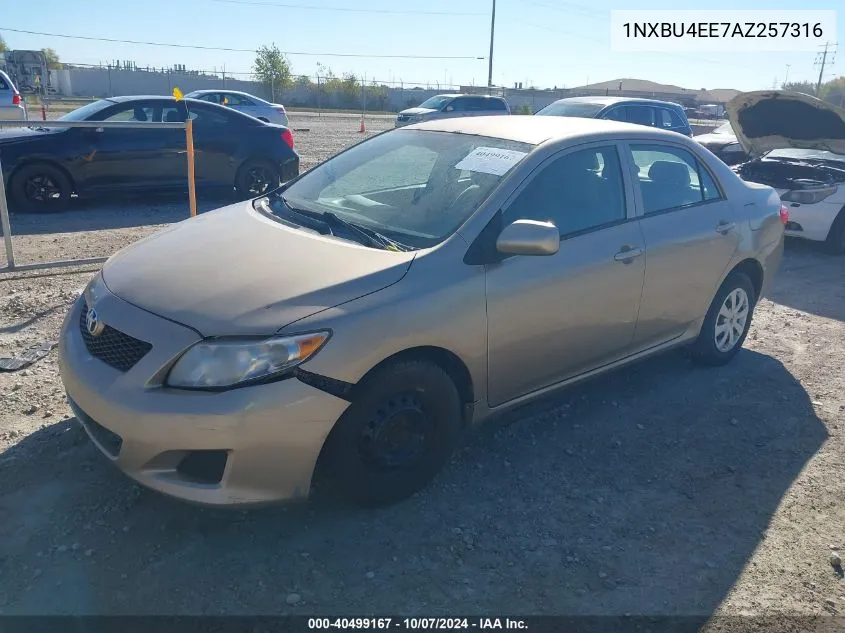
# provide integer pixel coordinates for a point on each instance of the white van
(11, 104)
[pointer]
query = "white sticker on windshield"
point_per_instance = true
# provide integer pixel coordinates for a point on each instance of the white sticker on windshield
(490, 160)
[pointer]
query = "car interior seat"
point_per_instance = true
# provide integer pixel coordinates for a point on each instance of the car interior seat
(668, 186)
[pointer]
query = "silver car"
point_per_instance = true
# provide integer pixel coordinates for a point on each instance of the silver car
(367, 313)
(11, 104)
(453, 106)
(246, 103)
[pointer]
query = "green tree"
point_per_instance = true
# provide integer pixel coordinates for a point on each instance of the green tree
(52, 56)
(807, 87)
(272, 68)
(833, 91)
(3, 46)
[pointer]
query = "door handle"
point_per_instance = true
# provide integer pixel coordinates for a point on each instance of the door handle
(100, 129)
(725, 227)
(627, 254)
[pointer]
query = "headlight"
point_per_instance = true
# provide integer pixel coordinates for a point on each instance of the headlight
(95, 290)
(808, 196)
(222, 363)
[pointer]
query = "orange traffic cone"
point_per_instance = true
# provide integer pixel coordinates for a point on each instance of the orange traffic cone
(363, 127)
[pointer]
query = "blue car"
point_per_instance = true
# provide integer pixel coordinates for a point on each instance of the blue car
(660, 114)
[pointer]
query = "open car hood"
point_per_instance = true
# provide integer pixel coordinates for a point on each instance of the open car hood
(777, 119)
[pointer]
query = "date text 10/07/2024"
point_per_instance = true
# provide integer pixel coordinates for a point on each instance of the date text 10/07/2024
(416, 624)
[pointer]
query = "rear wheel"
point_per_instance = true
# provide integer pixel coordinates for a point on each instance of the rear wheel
(256, 177)
(40, 188)
(396, 435)
(835, 243)
(727, 322)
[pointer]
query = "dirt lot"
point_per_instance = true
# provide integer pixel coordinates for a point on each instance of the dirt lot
(661, 489)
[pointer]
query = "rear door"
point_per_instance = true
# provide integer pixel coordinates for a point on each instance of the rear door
(691, 233)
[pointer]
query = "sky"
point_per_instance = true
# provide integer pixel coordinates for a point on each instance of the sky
(546, 43)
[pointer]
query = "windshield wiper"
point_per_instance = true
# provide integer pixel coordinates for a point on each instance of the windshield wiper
(374, 237)
(328, 220)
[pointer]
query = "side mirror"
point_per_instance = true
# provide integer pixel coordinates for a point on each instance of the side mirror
(529, 237)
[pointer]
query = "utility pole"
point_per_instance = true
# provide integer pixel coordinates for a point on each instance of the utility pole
(822, 63)
(490, 59)
(786, 78)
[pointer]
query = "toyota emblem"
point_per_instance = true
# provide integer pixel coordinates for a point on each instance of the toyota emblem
(93, 323)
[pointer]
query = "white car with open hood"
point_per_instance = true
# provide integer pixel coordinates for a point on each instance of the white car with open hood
(798, 145)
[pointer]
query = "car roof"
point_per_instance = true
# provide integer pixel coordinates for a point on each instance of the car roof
(538, 129)
(614, 100)
(163, 98)
(453, 95)
(206, 91)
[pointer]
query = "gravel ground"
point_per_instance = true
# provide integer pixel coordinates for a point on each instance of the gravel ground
(659, 489)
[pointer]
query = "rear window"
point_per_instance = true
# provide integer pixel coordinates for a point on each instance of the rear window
(579, 109)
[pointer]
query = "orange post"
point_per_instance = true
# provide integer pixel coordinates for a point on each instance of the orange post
(192, 188)
(363, 127)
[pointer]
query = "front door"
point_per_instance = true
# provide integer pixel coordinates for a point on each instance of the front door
(140, 158)
(691, 233)
(552, 318)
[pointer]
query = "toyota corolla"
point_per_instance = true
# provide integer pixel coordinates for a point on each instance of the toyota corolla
(365, 314)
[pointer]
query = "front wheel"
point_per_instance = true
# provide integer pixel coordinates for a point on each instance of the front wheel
(256, 177)
(727, 322)
(399, 431)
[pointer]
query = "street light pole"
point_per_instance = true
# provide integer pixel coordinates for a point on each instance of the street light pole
(490, 59)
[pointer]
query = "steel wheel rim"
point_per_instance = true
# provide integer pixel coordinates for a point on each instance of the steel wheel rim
(41, 188)
(731, 320)
(396, 435)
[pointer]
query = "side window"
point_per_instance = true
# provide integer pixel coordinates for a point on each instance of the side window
(669, 178)
(172, 114)
(457, 105)
(677, 120)
(203, 117)
(497, 104)
(664, 119)
(212, 97)
(577, 192)
(641, 115)
(616, 114)
(130, 113)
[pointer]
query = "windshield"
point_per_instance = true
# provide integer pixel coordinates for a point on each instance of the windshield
(725, 128)
(572, 108)
(805, 154)
(415, 187)
(82, 114)
(436, 103)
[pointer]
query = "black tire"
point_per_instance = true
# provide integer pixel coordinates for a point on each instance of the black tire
(835, 242)
(257, 177)
(405, 396)
(40, 188)
(706, 349)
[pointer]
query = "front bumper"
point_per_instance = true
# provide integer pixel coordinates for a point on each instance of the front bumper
(263, 440)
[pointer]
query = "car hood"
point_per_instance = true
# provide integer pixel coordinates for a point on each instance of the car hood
(776, 119)
(418, 111)
(715, 139)
(234, 271)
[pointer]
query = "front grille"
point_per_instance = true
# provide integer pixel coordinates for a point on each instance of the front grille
(112, 346)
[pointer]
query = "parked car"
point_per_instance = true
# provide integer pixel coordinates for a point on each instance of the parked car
(11, 106)
(660, 114)
(368, 312)
(246, 103)
(723, 143)
(798, 143)
(450, 106)
(43, 165)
